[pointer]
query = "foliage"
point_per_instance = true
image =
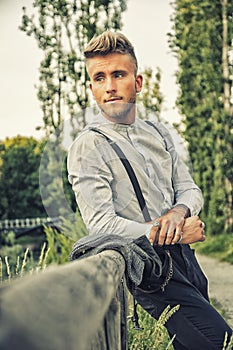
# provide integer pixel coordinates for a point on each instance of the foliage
(74, 228)
(227, 345)
(10, 258)
(151, 96)
(53, 183)
(59, 246)
(19, 178)
(62, 29)
(220, 247)
(218, 306)
(18, 258)
(154, 334)
(202, 39)
(61, 243)
(15, 260)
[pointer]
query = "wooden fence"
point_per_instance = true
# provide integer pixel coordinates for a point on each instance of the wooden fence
(76, 306)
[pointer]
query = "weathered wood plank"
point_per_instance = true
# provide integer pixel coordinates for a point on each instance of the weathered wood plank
(63, 307)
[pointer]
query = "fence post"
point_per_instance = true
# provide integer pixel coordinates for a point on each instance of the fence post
(71, 306)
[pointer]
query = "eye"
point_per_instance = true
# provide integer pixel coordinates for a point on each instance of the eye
(119, 75)
(99, 78)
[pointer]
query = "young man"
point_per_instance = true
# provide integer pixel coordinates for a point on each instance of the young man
(108, 203)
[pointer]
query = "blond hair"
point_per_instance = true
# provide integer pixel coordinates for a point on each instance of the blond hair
(110, 42)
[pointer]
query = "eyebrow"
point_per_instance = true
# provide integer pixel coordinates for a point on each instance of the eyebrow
(117, 71)
(96, 75)
(122, 71)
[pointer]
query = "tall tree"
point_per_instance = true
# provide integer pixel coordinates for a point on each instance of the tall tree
(151, 96)
(62, 28)
(227, 51)
(201, 40)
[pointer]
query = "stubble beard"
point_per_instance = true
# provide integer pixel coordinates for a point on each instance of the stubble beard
(118, 111)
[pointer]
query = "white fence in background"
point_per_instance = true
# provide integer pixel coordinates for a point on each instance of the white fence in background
(7, 225)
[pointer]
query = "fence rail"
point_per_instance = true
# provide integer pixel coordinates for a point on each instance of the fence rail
(78, 305)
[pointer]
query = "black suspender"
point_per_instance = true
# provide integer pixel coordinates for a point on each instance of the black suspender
(131, 174)
(157, 129)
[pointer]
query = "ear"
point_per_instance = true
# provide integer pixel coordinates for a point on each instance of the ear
(138, 83)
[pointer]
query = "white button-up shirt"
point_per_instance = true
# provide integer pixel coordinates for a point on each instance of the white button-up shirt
(104, 193)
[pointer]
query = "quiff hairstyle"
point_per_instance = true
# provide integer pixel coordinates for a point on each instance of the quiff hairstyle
(110, 42)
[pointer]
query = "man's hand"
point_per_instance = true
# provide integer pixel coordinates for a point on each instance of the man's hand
(191, 230)
(169, 226)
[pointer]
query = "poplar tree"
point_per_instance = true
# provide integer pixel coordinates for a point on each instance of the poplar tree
(151, 96)
(202, 41)
(62, 28)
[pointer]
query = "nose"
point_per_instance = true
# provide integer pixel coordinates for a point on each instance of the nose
(110, 85)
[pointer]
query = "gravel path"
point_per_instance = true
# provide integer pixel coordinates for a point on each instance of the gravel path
(220, 276)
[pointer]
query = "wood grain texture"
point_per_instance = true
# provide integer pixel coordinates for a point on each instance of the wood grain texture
(73, 307)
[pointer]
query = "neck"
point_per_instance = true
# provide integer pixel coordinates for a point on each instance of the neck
(125, 118)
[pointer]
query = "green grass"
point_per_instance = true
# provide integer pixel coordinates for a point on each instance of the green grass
(219, 247)
(154, 335)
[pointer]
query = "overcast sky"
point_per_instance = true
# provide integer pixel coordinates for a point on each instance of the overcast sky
(146, 24)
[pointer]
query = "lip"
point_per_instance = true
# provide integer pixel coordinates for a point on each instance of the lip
(113, 99)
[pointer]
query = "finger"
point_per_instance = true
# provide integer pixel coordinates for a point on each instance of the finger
(153, 237)
(178, 236)
(169, 237)
(162, 234)
(154, 232)
(201, 228)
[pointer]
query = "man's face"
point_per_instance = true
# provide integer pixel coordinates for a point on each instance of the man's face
(114, 86)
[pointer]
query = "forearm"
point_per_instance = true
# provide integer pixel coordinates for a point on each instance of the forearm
(191, 198)
(100, 218)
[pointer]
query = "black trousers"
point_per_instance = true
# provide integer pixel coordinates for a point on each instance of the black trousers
(197, 325)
